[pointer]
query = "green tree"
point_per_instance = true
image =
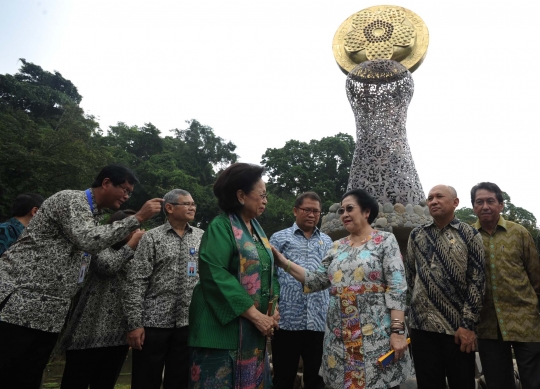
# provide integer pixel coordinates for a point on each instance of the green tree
(37, 92)
(187, 160)
(321, 166)
(278, 214)
(466, 215)
(204, 152)
(47, 142)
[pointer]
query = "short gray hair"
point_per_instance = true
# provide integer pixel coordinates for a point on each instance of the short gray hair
(172, 197)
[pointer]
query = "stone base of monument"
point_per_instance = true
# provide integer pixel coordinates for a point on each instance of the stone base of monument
(398, 219)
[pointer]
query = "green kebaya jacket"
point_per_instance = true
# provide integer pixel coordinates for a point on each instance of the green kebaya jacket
(219, 299)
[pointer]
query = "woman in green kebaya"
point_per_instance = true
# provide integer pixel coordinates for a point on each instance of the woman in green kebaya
(231, 310)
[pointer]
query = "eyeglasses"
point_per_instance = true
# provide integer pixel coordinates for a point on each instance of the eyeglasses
(308, 211)
(127, 192)
(349, 208)
(264, 196)
(187, 205)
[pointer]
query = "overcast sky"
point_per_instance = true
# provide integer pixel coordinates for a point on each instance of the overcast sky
(262, 73)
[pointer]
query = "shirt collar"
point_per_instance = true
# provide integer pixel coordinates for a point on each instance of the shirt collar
(453, 223)
(168, 226)
(16, 224)
(296, 228)
(501, 222)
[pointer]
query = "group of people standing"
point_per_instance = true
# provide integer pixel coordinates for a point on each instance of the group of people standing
(198, 307)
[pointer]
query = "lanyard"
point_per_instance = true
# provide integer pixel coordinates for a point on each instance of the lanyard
(89, 199)
(91, 204)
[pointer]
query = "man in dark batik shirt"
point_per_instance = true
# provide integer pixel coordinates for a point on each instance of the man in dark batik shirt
(446, 277)
(40, 272)
(24, 208)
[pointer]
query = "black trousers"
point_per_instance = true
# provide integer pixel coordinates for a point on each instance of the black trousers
(24, 353)
(498, 368)
(163, 348)
(437, 357)
(95, 367)
(287, 348)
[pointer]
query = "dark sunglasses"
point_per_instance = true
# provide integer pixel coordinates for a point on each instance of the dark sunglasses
(349, 208)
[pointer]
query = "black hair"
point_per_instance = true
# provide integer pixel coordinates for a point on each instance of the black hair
(238, 176)
(490, 187)
(307, 195)
(118, 174)
(24, 203)
(365, 201)
(120, 215)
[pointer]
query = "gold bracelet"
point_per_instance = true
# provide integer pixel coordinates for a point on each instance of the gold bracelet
(288, 266)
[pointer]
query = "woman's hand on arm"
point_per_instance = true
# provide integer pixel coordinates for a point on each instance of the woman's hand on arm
(293, 269)
(264, 323)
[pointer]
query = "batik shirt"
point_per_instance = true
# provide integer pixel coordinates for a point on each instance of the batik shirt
(98, 319)
(9, 232)
(301, 311)
(40, 272)
(158, 289)
(512, 284)
(445, 274)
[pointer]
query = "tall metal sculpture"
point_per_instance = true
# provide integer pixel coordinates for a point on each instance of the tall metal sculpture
(375, 48)
(378, 48)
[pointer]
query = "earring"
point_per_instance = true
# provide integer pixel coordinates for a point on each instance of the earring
(241, 202)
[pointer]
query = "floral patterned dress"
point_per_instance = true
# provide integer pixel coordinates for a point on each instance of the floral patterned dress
(365, 283)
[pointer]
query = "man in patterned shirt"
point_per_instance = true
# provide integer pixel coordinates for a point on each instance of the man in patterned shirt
(303, 316)
(509, 318)
(157, 294)
(445, 274)
(24, 208)
(40, 272)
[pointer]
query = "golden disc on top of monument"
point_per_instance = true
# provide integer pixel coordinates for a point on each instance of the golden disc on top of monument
(381, 32)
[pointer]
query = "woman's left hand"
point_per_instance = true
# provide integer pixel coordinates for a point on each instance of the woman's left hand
(399, 345)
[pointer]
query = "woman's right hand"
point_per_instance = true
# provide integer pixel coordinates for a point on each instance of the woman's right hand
(264, 323)
(279, 259)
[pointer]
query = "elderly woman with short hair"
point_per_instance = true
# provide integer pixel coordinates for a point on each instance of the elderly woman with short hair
(366, 276)
(229, 316)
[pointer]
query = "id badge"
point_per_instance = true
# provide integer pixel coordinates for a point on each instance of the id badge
(191, 269)
(82, 271)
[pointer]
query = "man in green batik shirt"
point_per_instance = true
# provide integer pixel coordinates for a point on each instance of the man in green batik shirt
(509, 318)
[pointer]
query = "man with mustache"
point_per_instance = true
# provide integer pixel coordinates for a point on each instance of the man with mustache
(509, 318)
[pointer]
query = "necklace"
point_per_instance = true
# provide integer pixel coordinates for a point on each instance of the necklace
(361, 242)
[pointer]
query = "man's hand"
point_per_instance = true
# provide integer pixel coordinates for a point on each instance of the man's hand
(149, 209)
(135, 238)
(135, 338)
(466, 339)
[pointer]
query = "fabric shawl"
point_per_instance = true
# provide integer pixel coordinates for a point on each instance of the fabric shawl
(252, 366)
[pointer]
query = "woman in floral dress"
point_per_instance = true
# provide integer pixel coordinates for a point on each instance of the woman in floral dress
(366, 277)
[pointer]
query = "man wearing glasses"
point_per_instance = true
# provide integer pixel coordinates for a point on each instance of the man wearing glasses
(157, 294)
(40, 273)
(303, 316)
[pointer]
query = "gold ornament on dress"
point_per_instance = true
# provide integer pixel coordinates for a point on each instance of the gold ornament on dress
(381, 32)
